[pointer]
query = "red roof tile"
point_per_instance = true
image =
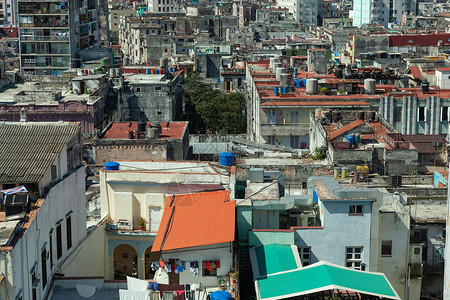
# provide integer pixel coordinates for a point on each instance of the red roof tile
(196, 220)
(119, 130)
(443, 69)
(345, 129)
(419, 40)
(416, 72)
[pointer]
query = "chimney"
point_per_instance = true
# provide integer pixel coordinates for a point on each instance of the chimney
(23, 115)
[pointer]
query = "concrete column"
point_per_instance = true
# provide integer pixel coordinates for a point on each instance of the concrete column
(141, 267)
(404, 109)
(413, 118)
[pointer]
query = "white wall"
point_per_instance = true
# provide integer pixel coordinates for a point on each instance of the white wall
(222, 251)
(66, 196)
(443, 79)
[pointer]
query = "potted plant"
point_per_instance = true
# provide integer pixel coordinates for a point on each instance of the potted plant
(142, 223)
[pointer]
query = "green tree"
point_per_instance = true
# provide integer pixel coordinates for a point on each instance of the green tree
(210, 110)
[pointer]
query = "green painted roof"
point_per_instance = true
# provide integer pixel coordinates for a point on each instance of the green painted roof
(274, 258)
(320, 277)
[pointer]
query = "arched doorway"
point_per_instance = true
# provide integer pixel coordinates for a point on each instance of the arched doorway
(150, 257)
(125, 262)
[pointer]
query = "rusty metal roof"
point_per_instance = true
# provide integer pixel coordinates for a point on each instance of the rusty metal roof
(27, 150)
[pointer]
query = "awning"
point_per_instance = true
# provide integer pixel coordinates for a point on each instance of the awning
(323, 276)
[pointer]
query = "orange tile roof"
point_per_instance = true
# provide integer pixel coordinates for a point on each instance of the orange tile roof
(345, 129)
(119, 130)
(198, 219)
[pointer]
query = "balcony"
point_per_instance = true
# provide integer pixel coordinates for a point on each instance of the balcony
(43, 12)
(285, 129)
(45, 38)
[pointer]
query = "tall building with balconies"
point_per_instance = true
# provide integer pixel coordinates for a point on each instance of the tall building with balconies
(52, 32)
(384, 12)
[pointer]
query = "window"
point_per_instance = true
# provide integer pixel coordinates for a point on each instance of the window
(69, 232)
(138, 89)
(44, 267)
(353, 257)
(271, 116)
(70, 159)
(53, 171)
(58, 242)
(355, 209)
(295, 141)
(51, 251)
(305, 255)
(209, 268)
(421, 114)
(416, 250)
(444, 114)
(386, 248)
(271, 140)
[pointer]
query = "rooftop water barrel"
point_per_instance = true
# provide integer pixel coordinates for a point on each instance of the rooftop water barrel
(156, 71)
(278, 72)
(275, 90)
(147, 71)
(112, 166)
(218, 79)
(371, 115)
(220, 295)
(141, 126)
(425, 87)
(357, 137)
(370, 85)
(351, 139)
(312, 86)
(226, 159)
(298, 83)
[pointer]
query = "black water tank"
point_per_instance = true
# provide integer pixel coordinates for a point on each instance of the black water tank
(338, 73)
(425, 87)
(141, 126)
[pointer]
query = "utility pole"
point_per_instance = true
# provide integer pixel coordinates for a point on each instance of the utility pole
(447, 255)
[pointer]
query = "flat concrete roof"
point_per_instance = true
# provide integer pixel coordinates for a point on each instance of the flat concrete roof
(169, 167)
(145, 78)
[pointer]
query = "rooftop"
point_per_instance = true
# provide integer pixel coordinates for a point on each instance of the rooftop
(145, 78)
(29, 149)
(190, 167)
(170, 130)
(196, 220)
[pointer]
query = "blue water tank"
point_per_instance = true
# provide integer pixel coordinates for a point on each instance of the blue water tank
(284, 90)
(275, 90)
(304, 81)
(147, 71)
(351, 139)
(220, 295)
(170, 69)
(156, 71)
(298, 83)
(112, 166)
(226, 159)
(218, 79)
(295, 70)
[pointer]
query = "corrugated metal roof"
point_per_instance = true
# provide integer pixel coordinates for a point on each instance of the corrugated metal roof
(27, 150)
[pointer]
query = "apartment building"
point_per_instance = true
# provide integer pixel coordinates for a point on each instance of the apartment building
(386, 13)
(303, 11)
(52, 32)
(164, 6)
(44, 219)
